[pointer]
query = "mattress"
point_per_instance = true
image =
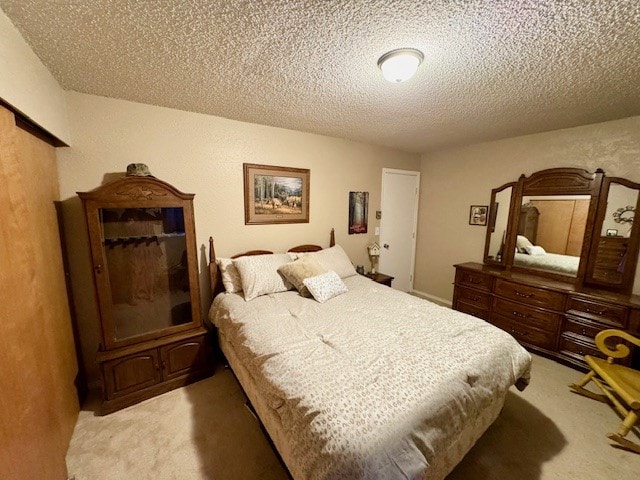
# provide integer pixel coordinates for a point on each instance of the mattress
(373, 384)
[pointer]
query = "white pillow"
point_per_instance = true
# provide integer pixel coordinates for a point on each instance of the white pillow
(535, 250)
(335, 259)
(230, 276)
(259, 274)
(522, 242)
(326, 286)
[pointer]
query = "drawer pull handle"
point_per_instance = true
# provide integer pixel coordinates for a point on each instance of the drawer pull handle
(524, 295)
(584, 331)
(473, 280)
(521, 315)
(597, 312)
(522, 334)
(473, 297)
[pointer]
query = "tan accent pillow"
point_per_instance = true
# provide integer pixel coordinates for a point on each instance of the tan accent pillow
(297, 272)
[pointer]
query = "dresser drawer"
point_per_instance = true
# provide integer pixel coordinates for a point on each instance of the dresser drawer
(472, 310)
(526, 334)
(581, 327)
(474, 279)
(573, 347)
(474, 297)
(529, 295)
(614, 315)
(524, 315)
(577, 348)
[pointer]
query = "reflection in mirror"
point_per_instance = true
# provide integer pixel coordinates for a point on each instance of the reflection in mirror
(608, 265)
(550, 232)
(499, 223)
(618, 219)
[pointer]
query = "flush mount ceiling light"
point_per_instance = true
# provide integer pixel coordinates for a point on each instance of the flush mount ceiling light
(401, 64)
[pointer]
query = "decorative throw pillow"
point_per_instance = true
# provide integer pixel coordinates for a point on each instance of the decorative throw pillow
(259, 274)
(296, 272)
(335, 259)
(522, 242)
(230, 276)
(326, 286)
(535, 250)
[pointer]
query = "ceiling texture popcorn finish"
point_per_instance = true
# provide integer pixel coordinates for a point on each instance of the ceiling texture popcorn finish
(492, 69)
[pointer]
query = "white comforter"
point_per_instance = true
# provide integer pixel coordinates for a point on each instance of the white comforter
(549, 261)
(374, 383)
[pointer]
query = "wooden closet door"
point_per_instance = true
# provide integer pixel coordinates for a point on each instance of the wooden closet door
(553, 224)
(37, 356)
(577, 227)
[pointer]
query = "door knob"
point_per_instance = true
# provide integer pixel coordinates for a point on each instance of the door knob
(386, 245)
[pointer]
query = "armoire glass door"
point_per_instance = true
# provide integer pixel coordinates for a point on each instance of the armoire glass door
(145, 252)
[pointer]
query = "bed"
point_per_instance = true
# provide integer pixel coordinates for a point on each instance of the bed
(373, 383)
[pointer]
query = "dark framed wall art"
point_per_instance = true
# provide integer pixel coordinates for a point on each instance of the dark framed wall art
(478, 215)
(358, 212)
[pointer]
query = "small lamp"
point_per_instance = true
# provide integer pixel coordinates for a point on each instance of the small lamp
(374, 253)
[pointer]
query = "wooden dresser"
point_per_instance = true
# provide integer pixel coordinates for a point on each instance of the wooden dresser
(547, 316)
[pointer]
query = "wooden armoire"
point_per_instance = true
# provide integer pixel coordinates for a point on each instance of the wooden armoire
(143, 251)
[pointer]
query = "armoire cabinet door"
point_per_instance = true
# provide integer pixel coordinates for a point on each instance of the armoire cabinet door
(183, 358)
(131, 373)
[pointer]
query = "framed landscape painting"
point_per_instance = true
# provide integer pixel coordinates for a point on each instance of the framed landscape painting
(275, 194)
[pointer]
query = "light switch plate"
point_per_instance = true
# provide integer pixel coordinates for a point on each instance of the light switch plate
(377, 230)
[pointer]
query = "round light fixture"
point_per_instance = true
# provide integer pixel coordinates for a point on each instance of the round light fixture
(401, 64)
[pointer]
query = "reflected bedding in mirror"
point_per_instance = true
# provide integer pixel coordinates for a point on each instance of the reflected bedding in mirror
(565, 264)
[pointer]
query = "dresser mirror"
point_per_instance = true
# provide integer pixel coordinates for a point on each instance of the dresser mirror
(498, 223)
(567, 224)
(551, 231)
(614, 253)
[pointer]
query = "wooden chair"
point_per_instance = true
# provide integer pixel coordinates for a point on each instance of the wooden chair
(620, 385)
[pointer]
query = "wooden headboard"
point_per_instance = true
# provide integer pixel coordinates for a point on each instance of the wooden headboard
(215, 278)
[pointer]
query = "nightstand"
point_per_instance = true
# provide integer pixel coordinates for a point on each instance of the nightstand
(380, 278)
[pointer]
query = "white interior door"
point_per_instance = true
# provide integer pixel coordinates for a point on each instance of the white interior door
(398, 225)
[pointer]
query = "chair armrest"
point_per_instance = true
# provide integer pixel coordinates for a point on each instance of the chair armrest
(621, 350)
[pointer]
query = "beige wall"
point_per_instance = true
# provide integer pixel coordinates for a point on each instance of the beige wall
(27, 85)
(454, 179)
(203, 155)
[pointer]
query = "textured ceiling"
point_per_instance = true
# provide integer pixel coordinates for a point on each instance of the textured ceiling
(492, 69)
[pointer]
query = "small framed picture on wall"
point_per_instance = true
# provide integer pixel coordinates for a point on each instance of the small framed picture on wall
(478, 215)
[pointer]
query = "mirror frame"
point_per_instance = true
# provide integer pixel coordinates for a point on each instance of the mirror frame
(628, 274)
(492, 222)
(553, 181)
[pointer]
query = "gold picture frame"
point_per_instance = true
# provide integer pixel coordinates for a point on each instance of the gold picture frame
(275, 195)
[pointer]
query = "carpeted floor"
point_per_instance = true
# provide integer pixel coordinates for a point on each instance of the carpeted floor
(204, 431)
